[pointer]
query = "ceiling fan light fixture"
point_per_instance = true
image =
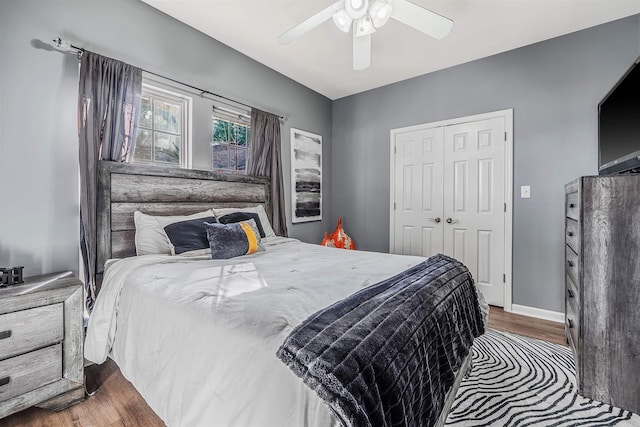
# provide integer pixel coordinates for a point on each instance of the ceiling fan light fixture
(356, 8)
(364, 26)
(342, 20)
(380, 12)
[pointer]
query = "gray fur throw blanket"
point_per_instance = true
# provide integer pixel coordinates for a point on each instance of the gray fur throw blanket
(388, 354)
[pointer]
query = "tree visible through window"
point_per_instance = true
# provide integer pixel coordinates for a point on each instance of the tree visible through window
(162, 135)
(231, 141)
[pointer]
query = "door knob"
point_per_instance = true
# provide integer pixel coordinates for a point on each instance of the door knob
(436, 220)
(452, 221)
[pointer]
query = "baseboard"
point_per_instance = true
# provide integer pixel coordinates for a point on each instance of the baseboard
(540, 313)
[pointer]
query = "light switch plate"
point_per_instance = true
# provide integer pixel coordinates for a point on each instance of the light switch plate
(525, 191)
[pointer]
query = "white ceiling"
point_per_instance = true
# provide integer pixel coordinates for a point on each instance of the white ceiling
(321, 59)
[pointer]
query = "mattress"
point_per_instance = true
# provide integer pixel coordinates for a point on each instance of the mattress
(198, 337)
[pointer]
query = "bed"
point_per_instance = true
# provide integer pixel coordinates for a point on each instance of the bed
(198, 337)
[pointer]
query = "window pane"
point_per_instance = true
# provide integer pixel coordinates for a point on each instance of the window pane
(242, 135)
(220, 130)
(146, 114)
(143, 151)
(232, 157)
(233, 133)
(167, 148)
(167, 116)
(230, 148)
(220, 156)
(242, 160)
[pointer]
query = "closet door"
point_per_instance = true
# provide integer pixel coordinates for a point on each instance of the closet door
(418, 222)
(474, 201)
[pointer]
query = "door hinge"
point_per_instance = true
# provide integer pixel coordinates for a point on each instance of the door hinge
(504, 278)
(505, 207)
(395, 149)
(505, 136)
(394, 206)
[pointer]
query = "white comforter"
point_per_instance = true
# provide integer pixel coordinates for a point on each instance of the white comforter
(198, 337)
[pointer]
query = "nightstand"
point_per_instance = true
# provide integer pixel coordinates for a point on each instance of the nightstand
(41, 343)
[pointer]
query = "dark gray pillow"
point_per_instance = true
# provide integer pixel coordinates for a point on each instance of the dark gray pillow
(242, 216)
(232, 240)
(190, 235)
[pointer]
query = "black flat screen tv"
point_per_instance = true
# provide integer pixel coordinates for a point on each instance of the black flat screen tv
(619, 126)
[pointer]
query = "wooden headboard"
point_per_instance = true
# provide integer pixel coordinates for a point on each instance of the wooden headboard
(125, 188)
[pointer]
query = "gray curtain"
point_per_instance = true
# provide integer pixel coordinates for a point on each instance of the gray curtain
(108, 109)
(266, 160)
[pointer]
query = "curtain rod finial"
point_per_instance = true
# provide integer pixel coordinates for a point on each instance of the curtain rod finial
(62, 44)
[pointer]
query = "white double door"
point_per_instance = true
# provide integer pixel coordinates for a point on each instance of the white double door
(449, 188)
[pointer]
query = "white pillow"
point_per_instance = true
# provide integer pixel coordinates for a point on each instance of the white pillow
(150, 236)
(258, 209)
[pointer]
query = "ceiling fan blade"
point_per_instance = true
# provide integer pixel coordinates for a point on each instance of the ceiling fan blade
(361, 51)
(310, 23)
(421, 19)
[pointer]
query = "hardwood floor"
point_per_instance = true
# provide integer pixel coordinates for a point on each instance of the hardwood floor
(115, 404)
(118, 404)
(528, 326)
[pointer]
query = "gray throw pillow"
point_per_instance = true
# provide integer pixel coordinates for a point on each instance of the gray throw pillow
(232, 240)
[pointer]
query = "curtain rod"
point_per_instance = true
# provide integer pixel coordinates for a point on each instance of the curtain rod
(67, 46)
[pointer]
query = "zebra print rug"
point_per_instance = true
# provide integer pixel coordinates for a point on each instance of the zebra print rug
(518, 381)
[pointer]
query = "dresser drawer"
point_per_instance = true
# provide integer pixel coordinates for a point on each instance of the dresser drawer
(572, 320)
(571, 333)
(572, 265)
(29, 371)
(573, 312)
(572, 234)
(26, 330)
(573, 293)
(572, 327)
(573, 206)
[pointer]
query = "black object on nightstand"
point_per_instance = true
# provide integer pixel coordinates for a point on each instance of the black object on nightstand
(10, 276)
(41, 343)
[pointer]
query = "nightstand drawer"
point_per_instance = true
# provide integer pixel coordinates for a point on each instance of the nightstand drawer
(21, 374)
(26, 330)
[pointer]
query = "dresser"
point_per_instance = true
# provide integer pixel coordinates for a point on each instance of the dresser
(602, 287)
(41, 343)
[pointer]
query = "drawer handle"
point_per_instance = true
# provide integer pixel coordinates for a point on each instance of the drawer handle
(5, 381)
(570, 233)
(571, 205)
(570, 293)
(5, 334)
(570, 323)
(570, 263)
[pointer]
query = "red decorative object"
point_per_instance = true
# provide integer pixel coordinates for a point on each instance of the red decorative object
(338, 239)
(328, 241)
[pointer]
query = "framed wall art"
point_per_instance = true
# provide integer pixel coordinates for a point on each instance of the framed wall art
(306, 176)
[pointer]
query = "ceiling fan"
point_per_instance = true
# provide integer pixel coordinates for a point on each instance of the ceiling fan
(367, 16)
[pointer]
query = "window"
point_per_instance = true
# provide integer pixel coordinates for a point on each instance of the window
(231, 143)
(163, 135)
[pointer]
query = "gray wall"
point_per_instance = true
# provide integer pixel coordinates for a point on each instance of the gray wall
(553, 87)
(38, 127)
